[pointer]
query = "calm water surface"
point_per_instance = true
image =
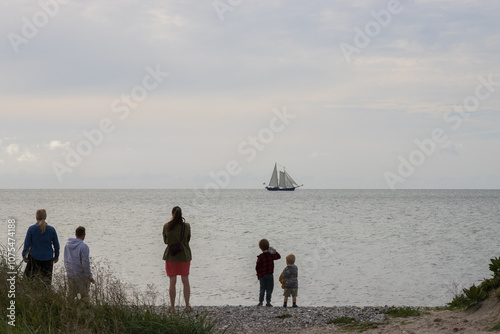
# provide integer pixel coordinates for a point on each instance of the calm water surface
(353, 247)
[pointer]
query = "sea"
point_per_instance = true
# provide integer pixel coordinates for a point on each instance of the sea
(352, 247)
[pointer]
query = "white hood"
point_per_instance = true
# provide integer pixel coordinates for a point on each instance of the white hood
(76, 259)
(73, 243)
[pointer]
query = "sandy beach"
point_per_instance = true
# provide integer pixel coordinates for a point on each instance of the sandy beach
(302, 320)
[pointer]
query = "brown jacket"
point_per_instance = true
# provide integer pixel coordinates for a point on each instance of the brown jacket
(173, 237)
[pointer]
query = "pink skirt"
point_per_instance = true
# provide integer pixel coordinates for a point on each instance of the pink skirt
(177, 268)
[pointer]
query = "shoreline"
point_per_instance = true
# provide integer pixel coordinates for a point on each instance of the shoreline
(277, 319)
(368, 319)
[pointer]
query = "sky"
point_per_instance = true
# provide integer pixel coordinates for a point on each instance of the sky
(211, 94)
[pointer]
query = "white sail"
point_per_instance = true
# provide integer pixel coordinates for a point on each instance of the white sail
(282, 180)
(289, 183)
(274, 178)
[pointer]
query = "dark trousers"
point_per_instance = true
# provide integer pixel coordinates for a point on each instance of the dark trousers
(39, 269)
(266, 286)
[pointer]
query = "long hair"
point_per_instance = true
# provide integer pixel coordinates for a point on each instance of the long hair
(41, 215)
(176, 218)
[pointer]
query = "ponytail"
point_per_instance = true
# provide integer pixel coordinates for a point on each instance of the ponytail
(176, 218)
(43, 225)
(41, 215)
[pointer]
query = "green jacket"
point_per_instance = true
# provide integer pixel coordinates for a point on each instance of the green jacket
(173, 237)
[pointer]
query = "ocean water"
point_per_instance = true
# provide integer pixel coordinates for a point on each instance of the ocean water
(353, 247)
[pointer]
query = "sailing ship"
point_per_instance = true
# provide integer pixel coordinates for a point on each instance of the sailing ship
(282, 183)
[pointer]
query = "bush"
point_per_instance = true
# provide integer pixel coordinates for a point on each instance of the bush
(472, 298)
(458, 302)
(495, 266)
(490, 284)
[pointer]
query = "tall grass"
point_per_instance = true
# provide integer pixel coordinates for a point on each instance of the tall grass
(110, 308)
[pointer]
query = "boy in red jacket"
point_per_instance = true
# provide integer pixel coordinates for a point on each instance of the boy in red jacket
(265, 270)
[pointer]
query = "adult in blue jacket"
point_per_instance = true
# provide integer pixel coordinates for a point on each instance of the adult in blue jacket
(41, 249)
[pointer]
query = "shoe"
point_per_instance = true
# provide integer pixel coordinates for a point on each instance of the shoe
(269, 305)
(294, 305)
(284, 305)
(259, 304)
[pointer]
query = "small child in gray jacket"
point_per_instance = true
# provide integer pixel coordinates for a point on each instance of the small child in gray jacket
(289, 280)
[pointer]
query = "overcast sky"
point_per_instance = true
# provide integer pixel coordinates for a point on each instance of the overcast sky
(194, 94)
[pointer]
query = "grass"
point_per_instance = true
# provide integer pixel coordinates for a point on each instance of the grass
(109, 309)
(284, 316)
(403, 312)
(495, 328)
(351, 324)
(342, 321)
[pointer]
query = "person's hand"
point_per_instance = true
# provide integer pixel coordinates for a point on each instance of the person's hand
(55, 260)
(26, 261)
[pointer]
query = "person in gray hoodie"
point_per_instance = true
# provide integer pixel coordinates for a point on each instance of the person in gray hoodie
(77, 263)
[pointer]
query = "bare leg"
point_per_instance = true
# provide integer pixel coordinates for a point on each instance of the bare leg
(187, 291)
(171, 292)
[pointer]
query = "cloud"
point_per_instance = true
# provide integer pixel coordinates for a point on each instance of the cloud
(55, 144)
(27, 156)
(227, 75)
(12, 149)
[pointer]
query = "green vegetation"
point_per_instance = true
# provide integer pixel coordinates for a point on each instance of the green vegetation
(284, 316)
(403, 312)
(351, 324)
(342, 321)
(495, 328)
(495, 266)
(45, 310)
(472, 298)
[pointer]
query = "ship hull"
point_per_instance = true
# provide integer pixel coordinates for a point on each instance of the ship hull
(279, 189)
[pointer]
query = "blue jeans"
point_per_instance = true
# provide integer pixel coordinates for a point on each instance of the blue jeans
(266, 286)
